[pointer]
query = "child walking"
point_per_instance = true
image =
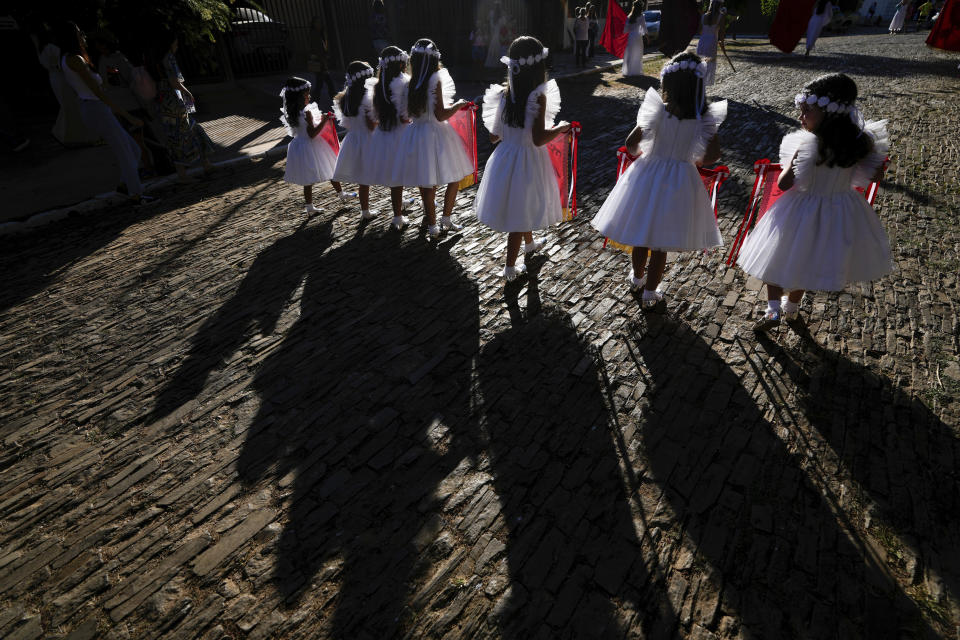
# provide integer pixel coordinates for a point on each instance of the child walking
(431, 153)
(309, 159)
(354, 110)
(821, 234)
(659, 203)
(519, 192)
(389, 94)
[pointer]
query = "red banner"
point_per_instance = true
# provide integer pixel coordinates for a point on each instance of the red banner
(613, 39)
(563, 157)
(790, 23)
(946, 32)
(464, 122)
(329, 134)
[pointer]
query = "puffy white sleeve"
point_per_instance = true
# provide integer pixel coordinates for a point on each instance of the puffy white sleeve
(448, 89)
(399, 89)
(493, 109)
(710, 121)
(867, 167)
(648, 118)
(552, 93)
(803, 144)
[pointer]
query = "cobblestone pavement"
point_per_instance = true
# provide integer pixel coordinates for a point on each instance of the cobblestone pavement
(222, 419)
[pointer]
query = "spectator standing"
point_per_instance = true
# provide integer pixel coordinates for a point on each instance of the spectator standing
(592, 30)
(320, 56)
(581, 31)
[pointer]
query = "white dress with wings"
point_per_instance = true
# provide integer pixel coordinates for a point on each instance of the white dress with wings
(660, 201)
(309, 160)
(354, 159)
(821, 234)
(430, 152)
(385, 144)
(633, 55)
(519, 190)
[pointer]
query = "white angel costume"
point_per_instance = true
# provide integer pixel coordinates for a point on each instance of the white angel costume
(821, 234)
(707, 46)
(633, 55)
(519, 190)
(660, 201)
(817, 22)
(309, 160)
(899, 18)
(354, 159)
(430, 152)
(384, 145)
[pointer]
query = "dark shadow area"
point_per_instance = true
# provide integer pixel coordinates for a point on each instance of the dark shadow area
(577, 566)
(821, 62)
(782, 553)
(895, 449)
(363, 409)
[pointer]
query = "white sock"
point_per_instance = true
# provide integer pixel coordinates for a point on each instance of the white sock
(791, 307)
(773, 305)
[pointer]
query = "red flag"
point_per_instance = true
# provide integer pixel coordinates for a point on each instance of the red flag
(790, 23)
(946, 32)
(563, 157)
(329, 134)
(464, 122)
(613, 38)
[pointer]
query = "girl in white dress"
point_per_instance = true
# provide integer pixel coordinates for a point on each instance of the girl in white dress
(707, 44)
(821, 234)
(896, 25)
(391, 118)
(430, 151)
(519, 190)
(822, 14)
(636, 28)
(659, 203)
(354, 110)
(309, 158)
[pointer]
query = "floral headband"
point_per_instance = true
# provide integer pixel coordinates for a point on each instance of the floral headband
(363, 73)
(699, 69)
(514, 64)
(823, 102)
(400, 57)
(429, 50)
(303, 87)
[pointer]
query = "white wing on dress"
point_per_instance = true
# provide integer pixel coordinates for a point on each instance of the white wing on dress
(866, 168)
(338, 112)
(448, 89)
(710, 122)
(804, 145)
(493, 109)
(399, 89)
(552, 93)
(648, 118)
(366, 103)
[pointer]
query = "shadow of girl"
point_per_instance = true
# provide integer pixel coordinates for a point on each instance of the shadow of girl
(754, 517)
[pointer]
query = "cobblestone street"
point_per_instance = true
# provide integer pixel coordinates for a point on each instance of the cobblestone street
(221, 419)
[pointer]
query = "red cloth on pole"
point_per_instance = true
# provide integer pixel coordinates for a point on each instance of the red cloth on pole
(464, 122)
(790, 24)
(329, 134)
(946, 32)
(563, 158)
(613, 39)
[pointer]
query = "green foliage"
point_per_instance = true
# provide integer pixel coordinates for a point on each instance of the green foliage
(769, 7)
(194, 21)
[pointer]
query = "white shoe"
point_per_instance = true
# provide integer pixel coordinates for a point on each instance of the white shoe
(533, 247)
(399, 222)
(651, 298)
(368, 214)
(791, 310)
(636, 284)
(309, 208)
(346, 196)
(447, 224)
(769, 319)
(406, 203)
(433, 230)
(511, 273)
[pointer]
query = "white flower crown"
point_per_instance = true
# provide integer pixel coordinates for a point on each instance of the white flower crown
(364, 73)
(400, 57)
(699, 69)
(303, 87)
(823, 102)
(428, 50)
(516, 63)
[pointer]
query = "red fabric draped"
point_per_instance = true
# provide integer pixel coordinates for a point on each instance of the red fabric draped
(613, 39)
(464, 122)
(329, 134)
(790, 23)
(946, 32)
(563, 158)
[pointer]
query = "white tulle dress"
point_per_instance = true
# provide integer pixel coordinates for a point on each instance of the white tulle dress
(519, 190)
(633, 55)
(309, 160)
(385, 145)
(660, 201)
(821, 234)
(354, 159)
(431, 153)
(707, 47)
(817, 22)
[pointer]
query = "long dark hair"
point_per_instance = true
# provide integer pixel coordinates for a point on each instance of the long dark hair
(637, 8)
(349, 99)
(529, 77)
(683, 89)
(386, 110)
(840, 141)
(422, 67)
(69, 37)
(293, 100)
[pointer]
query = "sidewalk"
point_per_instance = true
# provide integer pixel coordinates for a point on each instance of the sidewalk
(242, 119)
